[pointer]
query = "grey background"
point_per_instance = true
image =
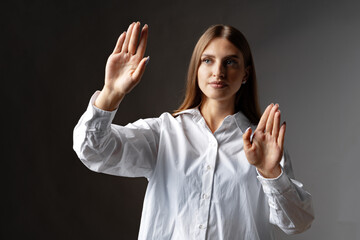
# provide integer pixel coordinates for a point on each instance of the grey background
(53, 56)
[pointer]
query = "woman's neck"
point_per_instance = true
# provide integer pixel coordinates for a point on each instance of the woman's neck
(214, 112)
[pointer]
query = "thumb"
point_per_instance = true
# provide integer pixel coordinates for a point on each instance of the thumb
(246, 138)
(139, 71)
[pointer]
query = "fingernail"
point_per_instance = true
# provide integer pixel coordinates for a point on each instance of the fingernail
(147, 60)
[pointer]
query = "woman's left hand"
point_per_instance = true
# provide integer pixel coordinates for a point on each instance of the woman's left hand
(266, 148)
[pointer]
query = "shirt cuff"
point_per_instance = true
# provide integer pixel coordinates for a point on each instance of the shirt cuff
(98, 119)
(277, 185)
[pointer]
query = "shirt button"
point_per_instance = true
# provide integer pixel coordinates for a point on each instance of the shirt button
(202, 226)
(212, 144)
(208, 167)
(205, 196)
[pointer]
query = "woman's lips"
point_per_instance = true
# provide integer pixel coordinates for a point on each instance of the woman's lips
(218, 84)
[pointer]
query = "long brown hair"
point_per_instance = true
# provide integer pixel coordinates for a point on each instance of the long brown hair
(246, 99)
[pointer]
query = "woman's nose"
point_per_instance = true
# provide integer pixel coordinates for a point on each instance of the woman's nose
(219, 71)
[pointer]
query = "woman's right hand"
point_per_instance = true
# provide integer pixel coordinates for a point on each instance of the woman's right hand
(124, 67)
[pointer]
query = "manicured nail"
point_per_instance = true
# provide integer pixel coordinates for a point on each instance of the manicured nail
(147, 60)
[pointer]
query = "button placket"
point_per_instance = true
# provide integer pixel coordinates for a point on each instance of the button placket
(207, 182)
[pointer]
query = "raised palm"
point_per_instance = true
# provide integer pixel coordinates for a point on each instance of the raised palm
(124, 67)
(126, 64)
(266, 148)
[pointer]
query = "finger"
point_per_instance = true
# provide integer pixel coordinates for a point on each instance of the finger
(270, 120)
(281, 137)
(127, 39)
(134, 38)
(119, 43)
(263, 119)
(276, 126)
(246, 139)
(143, 41)
(139, 71)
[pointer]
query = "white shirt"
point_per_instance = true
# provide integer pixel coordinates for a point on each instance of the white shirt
(201, 185)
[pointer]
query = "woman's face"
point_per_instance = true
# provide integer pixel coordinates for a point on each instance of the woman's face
(221, 71)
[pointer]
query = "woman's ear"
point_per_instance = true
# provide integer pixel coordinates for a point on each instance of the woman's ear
(246, 76)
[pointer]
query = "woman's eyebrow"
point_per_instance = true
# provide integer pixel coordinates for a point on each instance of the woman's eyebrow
(232, 56)
(207, 55)
(228, 56)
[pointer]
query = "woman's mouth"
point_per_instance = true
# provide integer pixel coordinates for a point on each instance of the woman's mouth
(218, 84)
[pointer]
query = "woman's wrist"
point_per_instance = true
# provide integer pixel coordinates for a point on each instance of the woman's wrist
(108, 100)
(273, 173)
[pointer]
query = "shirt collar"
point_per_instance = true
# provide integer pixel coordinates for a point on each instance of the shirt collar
(195, 112)
(241, 120)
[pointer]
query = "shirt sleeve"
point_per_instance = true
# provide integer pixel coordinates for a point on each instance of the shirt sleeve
(128, 151)
(290, 205)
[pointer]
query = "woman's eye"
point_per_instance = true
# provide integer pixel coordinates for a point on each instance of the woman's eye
(230, 62)
(206, 60)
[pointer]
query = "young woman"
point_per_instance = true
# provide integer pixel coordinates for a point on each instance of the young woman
(216, 169)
